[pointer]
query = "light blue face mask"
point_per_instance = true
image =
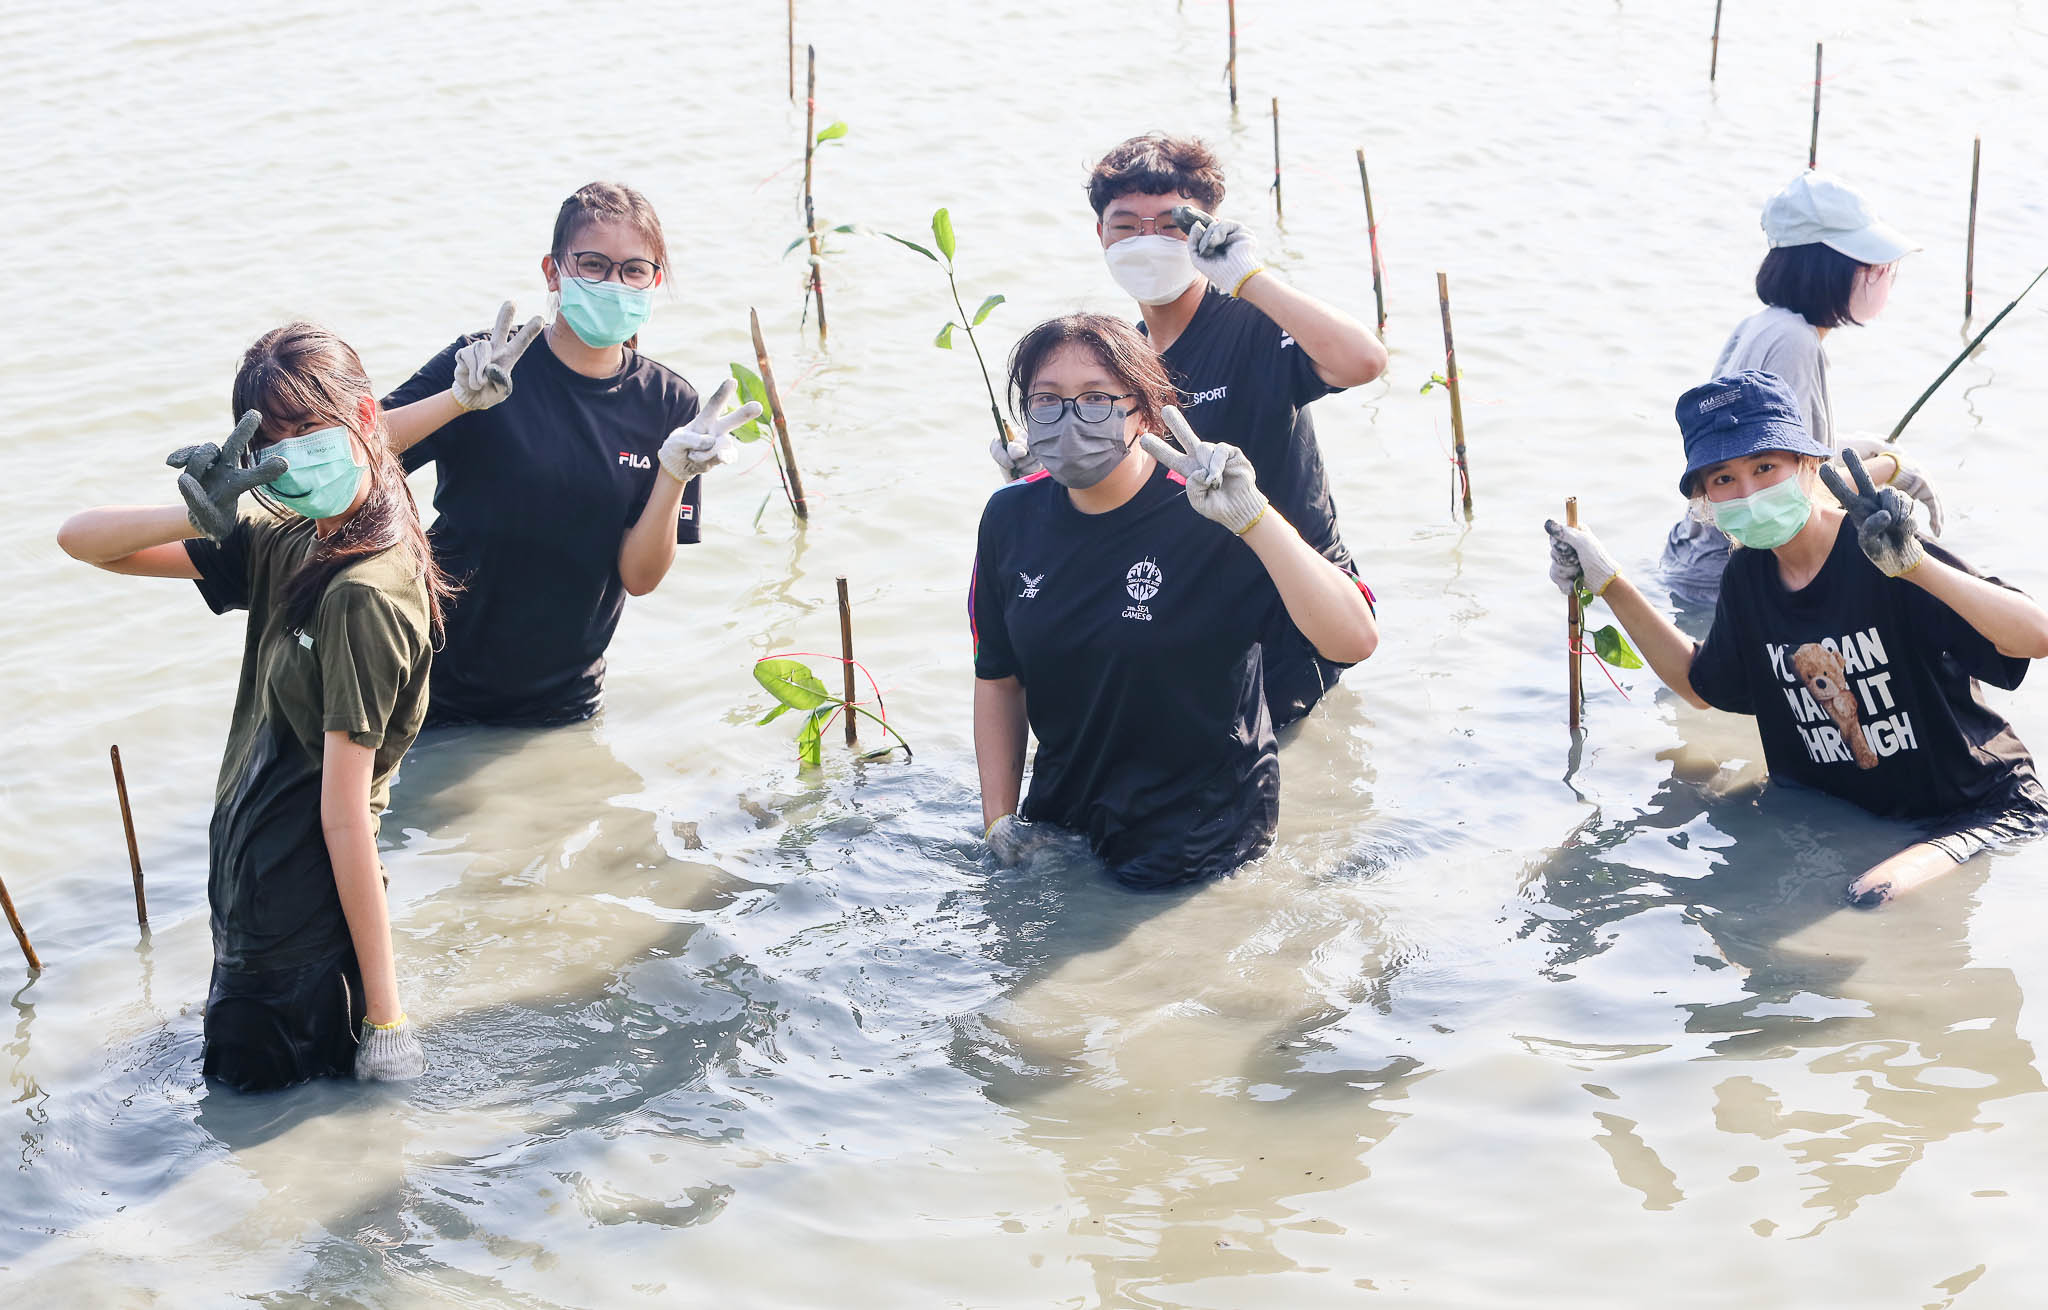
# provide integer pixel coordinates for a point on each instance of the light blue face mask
(604, 314)
(1766, 519)
(322, 476)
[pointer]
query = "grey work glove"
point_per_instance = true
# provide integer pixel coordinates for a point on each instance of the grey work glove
(212, 479)
(1883, 517)
(1014, 458)
(1011, 840)
(1221, 483)
(1908, 479)
(389, 1055)
(483, 368)
(706, 441)
(1224, 252)
(1577, 554)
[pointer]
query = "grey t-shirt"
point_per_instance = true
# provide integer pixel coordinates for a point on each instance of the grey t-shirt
(1772, 340)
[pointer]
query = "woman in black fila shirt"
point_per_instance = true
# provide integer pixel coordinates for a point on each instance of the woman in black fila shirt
(1856, 645)
(1117, 605)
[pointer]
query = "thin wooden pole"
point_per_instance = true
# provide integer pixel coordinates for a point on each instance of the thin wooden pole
(1443, 297)
(846, 659)
(1813, 146)
(1278, 215)
(795, 483)
(1231, 67)
(1575, 627)
(1968, 350)
(20, 933)
(792, 48)
(1372, 232)
(1713, 59)
(128, 826)
(1970, 248)
(810, 205)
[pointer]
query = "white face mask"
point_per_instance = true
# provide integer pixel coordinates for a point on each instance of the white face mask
(1151, 269)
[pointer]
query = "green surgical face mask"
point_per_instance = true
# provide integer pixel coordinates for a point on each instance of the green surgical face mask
(1766, 519)
(322, 476)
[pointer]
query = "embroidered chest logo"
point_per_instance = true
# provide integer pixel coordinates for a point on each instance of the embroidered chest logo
(1142, 581)
(1030, 585)
(632, 461)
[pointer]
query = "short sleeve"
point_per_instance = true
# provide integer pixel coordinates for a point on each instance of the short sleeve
(367, 652)
(227, 568)
(1304, 384)
(1951, 634)
(433, 378)
(1716, 672)
(993, 656)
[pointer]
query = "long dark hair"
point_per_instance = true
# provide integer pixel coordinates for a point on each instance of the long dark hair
(303, 373)
(1121, 348)
(608, 202)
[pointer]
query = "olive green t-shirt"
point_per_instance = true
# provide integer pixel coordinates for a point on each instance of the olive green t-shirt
(359, 667)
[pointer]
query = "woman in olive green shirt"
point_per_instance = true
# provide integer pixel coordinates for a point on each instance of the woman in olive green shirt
(344, 605)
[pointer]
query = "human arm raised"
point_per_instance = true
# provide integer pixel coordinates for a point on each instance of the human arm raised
(692, 450)
(483, 378)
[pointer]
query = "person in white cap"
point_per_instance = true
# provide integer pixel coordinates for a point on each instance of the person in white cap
(1831, 262)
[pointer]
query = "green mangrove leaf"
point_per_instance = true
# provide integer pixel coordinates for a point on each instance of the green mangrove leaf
(944, 341)
(905, 241)
(772, 715)
(1586, 599)
(987, 307)
(792, 683)
(832, 133)
(1435, 380)
(810, 739)
(1613, 648)
(942, 232)
(751, 388)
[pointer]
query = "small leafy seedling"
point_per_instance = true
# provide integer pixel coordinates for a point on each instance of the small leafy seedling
(1435, 380)
(942, 237)
(795, 687)
(1608, 643)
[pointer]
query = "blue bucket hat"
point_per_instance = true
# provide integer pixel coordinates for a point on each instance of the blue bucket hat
(1742, 414)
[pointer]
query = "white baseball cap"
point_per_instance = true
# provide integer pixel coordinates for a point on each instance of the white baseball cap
(1817, 206)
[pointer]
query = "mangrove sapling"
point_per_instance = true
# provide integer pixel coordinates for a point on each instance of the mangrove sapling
(814, 139)
(942, 236)
(793, 685)
(760, 387)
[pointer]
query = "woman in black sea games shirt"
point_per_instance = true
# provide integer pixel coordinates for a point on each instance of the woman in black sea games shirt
(567, 473)
(344, 602)
(1117, 604)
(1855, 644)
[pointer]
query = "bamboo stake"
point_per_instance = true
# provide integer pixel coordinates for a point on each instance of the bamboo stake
(846, 659)
(1278, 216)
(1372, 232)
(1970, 249)
(795, 483)
(1713, 59)
(1813, 146)
(1231, 67)
(1443, 297)
(20, 933)
(810, 205)
(792, 48)
(128, 826)
(1956, 363)
(1575, 628)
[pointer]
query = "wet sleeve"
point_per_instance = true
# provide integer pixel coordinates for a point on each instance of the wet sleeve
(1716, 673)
(226, 567)
(1949, 633)
(434, 377)
(993, 657)
(367, 656)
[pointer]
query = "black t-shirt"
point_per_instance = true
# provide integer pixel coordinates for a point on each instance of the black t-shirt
(1135, 634)
(535, 496)
(1244, 381)
(1862, 685)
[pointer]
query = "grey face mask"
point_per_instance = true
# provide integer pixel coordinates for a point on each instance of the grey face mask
(1078, 454)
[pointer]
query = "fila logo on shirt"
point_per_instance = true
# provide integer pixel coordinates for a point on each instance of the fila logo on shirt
(1030, 585)
(1142, 581)
(630, 460)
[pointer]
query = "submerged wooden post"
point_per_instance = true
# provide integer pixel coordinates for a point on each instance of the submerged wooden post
(1231, 67)
(1443, 297)
(1713, 59)
(1277, 214)
(846, 659)
(1970, 248)
(810, 205)
(20, 933)
(1372, 232)
(1813, 146)
(795, 485)
(128, 827)
(1575, 627)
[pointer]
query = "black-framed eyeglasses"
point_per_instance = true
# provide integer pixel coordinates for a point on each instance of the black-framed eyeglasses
(596, 266)
(1044, 408)
(1126, 227)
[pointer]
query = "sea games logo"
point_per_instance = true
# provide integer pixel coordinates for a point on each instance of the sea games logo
(1142, 581)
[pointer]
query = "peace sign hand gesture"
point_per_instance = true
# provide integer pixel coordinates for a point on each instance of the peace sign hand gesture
(483, 368)
(706, 441)
(213, 477)
(1221, 482)
(1883, 517)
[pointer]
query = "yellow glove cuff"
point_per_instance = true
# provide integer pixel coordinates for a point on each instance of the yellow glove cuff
(992, 826)
(399, 1022)
(1255, 520)
(1246, 278)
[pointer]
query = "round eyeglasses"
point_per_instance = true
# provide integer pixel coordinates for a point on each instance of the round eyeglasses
(1044, 408)
(596, 266)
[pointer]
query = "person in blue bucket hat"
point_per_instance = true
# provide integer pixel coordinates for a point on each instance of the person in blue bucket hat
(1856, 644)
